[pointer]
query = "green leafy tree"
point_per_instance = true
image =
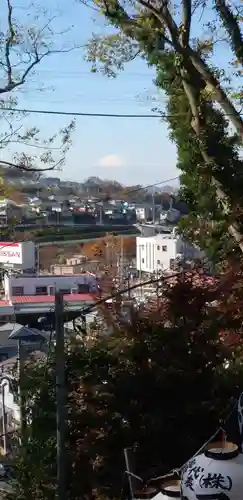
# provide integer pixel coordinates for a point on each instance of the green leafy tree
(93, 429)
(206, 224)
(159, 382)
(163, 35)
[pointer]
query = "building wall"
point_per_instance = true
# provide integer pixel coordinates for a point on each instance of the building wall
(142, 213)
(75, 260)
(173, 215)
(156, 253)
(65, 269)
(28, 285)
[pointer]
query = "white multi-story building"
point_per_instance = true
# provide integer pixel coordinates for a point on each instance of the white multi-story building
(158, 253)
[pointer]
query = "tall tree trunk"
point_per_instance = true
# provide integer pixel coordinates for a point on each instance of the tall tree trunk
(234, 228)
(232, 28)
(190, 64)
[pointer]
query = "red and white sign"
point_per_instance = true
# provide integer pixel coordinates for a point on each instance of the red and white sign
(17, 253)
(10, 253)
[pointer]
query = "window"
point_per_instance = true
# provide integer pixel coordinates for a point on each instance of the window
(158, 247)
(3, 356)
(41, 290)
(83, 288)
(172, 263)
(142, 261)
(164, 248)
(142, 247)
(17, 290)
(65, 290)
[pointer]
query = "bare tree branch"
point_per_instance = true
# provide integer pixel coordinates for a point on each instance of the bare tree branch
(37, 59)
(32, 145)
(9, 43)
(87, 4)
(38, 50)
(22, 48)
(161, 14)
(26, 168)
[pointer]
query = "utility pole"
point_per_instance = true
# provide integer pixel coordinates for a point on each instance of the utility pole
(37, 265)
(21, 391)
(128, 286)
(153, 206)
(122, 261)
(5, 436)
(101, 213)
(60, 396)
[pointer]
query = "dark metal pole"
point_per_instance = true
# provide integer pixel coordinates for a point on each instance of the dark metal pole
(128, 286)
(21, 391)
(60, 396)
(153, 206)
(5, 436)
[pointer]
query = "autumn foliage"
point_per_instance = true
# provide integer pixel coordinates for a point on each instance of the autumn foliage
(158, 383)
(108, 247)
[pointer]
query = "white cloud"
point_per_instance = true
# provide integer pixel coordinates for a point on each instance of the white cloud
(111, 161)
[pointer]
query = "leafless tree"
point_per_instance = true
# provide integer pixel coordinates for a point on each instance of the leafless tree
(22, 48)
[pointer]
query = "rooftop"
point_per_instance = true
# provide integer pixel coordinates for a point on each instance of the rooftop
(159, 236)
(10, 332)
(36, 299)
(40, 299)
(55, 276)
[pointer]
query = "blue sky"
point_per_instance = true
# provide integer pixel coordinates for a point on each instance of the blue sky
(131, 151)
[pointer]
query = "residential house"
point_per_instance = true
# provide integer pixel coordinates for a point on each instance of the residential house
(50, 182)
(9, 346)
(10, 212)
(73, 265)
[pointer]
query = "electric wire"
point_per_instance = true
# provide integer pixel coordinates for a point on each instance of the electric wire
(142, 188)
(161, 115)
(73, 74)
(118, 293)
(78, 113)
(135, 190)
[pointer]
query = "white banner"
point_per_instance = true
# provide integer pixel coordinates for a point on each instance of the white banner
(11, 253)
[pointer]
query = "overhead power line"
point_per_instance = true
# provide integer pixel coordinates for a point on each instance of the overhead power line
(159, 183)
(143, 188)
(77, 113)
(97, 115)
(78, 74)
